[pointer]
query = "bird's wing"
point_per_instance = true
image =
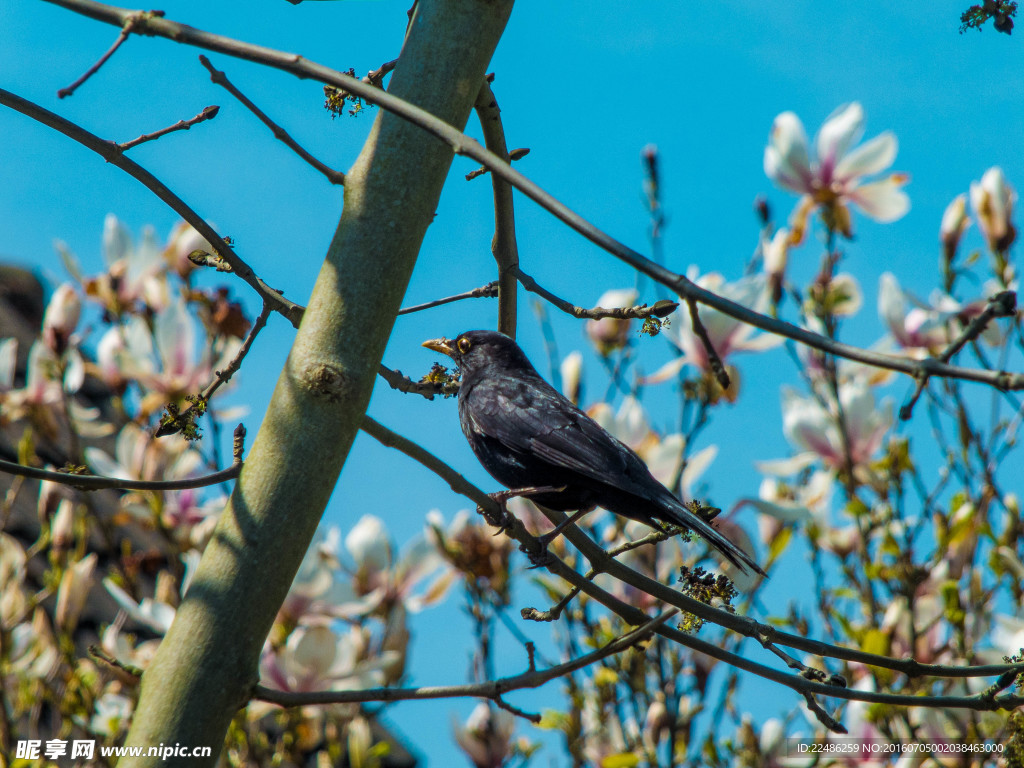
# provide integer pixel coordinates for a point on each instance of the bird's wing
(533, 419)
(536, 419)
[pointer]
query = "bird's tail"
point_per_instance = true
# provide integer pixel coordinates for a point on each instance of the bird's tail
(678, 514)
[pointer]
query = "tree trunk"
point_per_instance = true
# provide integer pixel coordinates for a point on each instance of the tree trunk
(208, 661)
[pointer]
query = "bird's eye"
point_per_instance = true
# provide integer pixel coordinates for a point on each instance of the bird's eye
(463, 345)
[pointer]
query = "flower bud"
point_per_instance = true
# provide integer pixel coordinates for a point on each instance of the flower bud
(74, 589)
(486, 736)
(61, 318)
(955, 222)
(992, 199)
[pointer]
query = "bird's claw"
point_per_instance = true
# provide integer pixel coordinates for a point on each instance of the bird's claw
(504, 519)
(537, 553)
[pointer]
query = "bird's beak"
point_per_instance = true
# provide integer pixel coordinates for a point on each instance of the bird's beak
(441, 345)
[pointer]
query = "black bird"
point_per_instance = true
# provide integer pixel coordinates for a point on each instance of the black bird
(527, 434)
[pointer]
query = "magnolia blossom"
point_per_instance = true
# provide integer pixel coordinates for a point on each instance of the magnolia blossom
(727, 334)
(318, 589)
(832, 178)
(486, 737)
(317, 658)
(13, 594)
(925, 329)
(163, 361)
(992, 200)
(140, 456)
(480, 556)
(111, 714)
(913, 325)
(663, 454)
(810, 426)
(775, 256)
(135, 273)
(189, 517)
(48, 376)
(571, 370)
(382, 578)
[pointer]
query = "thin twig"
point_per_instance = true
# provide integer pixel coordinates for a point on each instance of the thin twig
(127, 673)
(426, 388)
(182, 125)
(659, 309)
(112, 153)
(488, 291)
(1003, 304)
(126, 30)
(97, 482)
(513, 154)
(467, 146)
(218, 77)
(175, 424)
(503, 244)
(493, 689)
(714, 361)
(553, 613)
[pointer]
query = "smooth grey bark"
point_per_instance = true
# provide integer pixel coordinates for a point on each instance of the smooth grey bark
(208, 661)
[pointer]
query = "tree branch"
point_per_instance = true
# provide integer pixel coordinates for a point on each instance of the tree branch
(112, 153)
(714, 361)
(1003, 304)
(97, 482)
(503, 245)
(126, 30)
(182, 125)
(464, 145)
(177, 421)
(484, 291)
(218, 77)
(494, 689)
(426, 388)
(660, 309)
(743, 625)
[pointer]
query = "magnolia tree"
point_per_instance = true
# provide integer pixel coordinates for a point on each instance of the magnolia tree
(914, 637)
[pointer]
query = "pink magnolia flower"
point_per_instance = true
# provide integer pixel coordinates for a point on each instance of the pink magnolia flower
(925, 329)
(135, 273)
(74, 588)
(316, 658)
(184, 239)
(833, 177)
(727, 334)
(809, 425)
(165, 361)
(992, 200)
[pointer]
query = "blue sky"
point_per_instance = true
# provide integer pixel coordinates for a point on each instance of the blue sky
(584, 85)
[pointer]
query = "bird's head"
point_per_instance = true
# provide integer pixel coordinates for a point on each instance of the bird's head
(475, 351)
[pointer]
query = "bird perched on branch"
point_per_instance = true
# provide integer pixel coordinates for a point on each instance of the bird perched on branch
(527, 434)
